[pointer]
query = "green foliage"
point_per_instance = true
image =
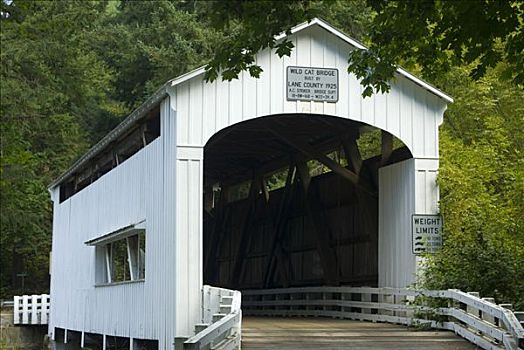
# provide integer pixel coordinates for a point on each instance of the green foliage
(247, 32)
(436, 35)
(52, 87)
(431, 35)
(148, 42)
(482, 189)
(70, 71)
(251, 26)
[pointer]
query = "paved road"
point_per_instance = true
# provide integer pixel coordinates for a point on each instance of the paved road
(325, 333)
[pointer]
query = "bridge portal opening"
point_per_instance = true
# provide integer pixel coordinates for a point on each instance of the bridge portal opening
(292, 200)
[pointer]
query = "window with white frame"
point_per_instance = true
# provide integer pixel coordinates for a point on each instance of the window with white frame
(120, 255)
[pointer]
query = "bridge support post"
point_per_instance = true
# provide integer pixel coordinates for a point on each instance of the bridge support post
(405, 188)
(188, 240)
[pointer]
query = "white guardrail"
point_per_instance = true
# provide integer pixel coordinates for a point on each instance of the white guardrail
(221, 321)
(31, 309)
(476, 319)
(480, 321)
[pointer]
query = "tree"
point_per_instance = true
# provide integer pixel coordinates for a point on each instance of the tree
(481, 183)
(147, 43)
(71, 70)
(53, 88)
(432, 35)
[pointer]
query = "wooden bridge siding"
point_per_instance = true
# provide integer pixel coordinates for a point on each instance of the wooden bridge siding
(405, 188)
(356, 249)
(409, 112)
(397, 265)
(131, 192)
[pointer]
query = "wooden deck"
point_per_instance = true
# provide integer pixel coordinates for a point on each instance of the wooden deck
(326, 333)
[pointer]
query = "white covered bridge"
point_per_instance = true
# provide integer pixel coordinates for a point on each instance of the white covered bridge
(291, 188)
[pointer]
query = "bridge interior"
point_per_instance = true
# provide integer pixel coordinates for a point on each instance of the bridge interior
(292, 200)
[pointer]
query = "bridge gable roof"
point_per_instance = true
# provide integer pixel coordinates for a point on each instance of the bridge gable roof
(198, 73)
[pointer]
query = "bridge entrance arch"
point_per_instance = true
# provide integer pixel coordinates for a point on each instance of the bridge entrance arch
(293, 200)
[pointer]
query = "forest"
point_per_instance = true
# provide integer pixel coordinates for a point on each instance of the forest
(72, 70)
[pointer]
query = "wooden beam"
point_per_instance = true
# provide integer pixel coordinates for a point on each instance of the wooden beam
(246, 234)
(280, 160)
(275, 253)
(326, 253)
(364, 202)
(304, 175)
(387, 147)
(330, 163)
(211, 268)
(352, 154)
(265, 190)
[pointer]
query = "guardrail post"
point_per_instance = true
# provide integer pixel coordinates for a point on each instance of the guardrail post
(504, 306)
(471, 309)
(410, 313)
(486, 317)
(342, 308)
(366, 297)
(33, 307)
(277, 307)
(16, 309)
(399, 300)
(45, 309)
(306, 295)
(389, 299)
(25, 309)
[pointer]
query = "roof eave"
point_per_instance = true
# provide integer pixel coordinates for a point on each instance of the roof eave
(113, 134)
(401, 71)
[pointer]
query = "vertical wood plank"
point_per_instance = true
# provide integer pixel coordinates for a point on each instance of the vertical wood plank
(249, 96)
(235, 100)
(33, 309)
(25, 309)
(290, 106)
(195, 117)
(183, 113)
(304, 60)
(209, 110)
(17, 309)
(263, 84)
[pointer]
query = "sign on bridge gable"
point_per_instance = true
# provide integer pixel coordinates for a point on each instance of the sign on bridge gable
(312, 84)
(426, 233)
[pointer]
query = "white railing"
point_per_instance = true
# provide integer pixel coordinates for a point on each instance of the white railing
(221, 321)
(480, 321)
(31, 309)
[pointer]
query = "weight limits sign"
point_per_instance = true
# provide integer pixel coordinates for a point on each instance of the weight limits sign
(312, 84)
(426, 233)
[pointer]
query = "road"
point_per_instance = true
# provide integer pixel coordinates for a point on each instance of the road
(326, 333)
